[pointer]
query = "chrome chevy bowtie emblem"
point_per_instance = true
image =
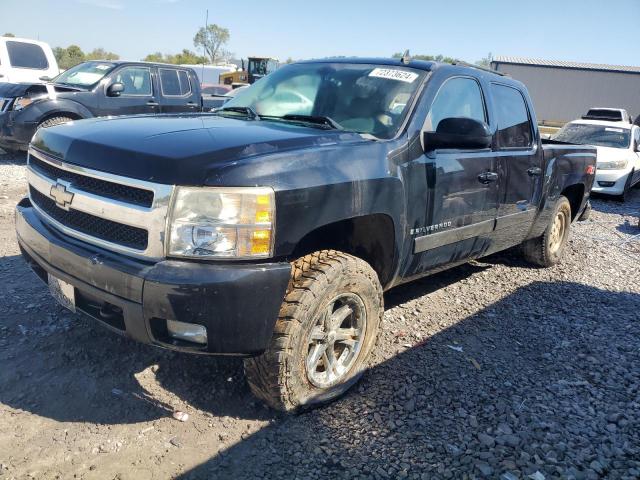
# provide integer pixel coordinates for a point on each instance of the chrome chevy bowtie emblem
(61, 195)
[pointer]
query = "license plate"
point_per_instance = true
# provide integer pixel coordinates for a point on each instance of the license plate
(63, 292)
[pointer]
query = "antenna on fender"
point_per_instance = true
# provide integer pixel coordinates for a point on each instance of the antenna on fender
(406, 58)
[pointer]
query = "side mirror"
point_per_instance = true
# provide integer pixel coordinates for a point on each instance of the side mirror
(115, 89)
(45, 78)
(459, 133)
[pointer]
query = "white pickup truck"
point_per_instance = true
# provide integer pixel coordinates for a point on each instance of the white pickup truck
(26, 61)
(618, 144)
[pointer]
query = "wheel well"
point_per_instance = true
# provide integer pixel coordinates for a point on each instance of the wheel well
(575, 194)
(73, 116)
(370, 238)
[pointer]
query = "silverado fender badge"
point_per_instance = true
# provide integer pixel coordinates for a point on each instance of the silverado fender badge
(61, 195)
(430, 228)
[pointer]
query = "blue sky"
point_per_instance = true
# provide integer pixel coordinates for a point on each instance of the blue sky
(578, 30)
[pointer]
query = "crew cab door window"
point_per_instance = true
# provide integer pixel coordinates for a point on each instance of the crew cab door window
(458, 97)
(27, 55)
(514, 123)
(136, 81)
(174, 83)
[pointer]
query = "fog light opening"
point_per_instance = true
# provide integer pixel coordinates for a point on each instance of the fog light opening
(190, 332)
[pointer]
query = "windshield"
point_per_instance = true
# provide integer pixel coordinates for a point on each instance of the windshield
(597, 135)
(85, 75)
(366, 99)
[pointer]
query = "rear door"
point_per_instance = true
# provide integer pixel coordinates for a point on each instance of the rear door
(520, 163)
(139, 95)
(179, 91)
(451, 207)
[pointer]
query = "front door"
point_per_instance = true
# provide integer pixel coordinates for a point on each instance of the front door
(452, 194)
(138, 97)
(520, 163)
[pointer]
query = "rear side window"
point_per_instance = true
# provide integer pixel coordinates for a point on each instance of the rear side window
(175, 83)
(458, 97)
(514, 124)
(27, 55)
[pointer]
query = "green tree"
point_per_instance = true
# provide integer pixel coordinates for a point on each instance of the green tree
(8, 35)
(101, 54)
(156, 57)
(486, 61)
(185, 57)
(212, 39)
(68, 57)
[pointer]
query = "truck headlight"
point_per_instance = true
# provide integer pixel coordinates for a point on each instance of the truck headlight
(221, 222)
(613, 165)
(22, 102)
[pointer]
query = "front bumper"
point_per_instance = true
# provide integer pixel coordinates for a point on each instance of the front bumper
(15, 134)
(610, 182)
(237, 303)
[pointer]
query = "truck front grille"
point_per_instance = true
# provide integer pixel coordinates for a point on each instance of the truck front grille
(106, 230)
(117, 213)
(116, 191)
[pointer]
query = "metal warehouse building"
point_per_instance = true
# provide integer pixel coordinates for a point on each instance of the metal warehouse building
(564, 91)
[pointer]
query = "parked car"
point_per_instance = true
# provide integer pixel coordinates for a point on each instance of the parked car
(608, 114)
(216, 95)
(96, 89)
(24, 60)
(273, 237)
(618, 145)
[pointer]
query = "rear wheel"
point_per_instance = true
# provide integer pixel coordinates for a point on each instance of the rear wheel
(547, 249)
(326, 329)
(54, 121)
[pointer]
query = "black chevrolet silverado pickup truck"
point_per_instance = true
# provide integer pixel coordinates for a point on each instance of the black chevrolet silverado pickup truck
(271, 228)
(96, 89)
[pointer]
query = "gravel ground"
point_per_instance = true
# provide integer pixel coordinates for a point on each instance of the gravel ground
(489, 370)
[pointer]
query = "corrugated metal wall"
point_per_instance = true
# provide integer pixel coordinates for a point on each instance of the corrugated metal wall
(564, 94)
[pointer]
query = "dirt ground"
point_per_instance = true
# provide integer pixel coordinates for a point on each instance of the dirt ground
(493, 369)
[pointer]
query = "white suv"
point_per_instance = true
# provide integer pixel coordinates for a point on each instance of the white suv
(618, 145)
(28, 61)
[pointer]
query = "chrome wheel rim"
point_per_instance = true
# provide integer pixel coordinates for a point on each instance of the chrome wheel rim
(335, 340)
(557, 232)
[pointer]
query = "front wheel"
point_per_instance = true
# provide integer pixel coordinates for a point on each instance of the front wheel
(51, 122)
(627, 186)
(326, 329)
(547, 249)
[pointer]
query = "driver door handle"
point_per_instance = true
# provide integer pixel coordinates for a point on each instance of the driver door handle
(534, 171)
(487, 177)
(152, 103)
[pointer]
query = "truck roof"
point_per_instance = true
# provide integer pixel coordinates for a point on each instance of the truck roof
(425, 65)
(142, 62)
(396, 62)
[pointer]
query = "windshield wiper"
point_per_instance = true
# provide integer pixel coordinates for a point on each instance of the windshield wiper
(248, 111)
(318, 119)
(67, 85)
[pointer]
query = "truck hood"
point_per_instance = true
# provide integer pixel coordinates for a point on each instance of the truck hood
(13, 90)
(177, 149)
